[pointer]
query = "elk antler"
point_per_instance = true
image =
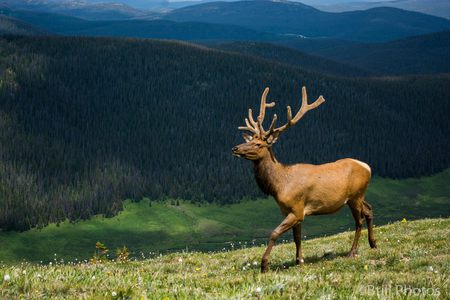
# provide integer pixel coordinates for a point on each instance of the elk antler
(301, 112)
(257, 127)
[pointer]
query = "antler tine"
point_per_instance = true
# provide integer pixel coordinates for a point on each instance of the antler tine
(249, 127)
(305, 107)
(272, 125)
(264, 105)
(248, 123)
(250, 117)
(252, 126)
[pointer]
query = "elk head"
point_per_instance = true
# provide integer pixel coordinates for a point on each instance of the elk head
(257, 145)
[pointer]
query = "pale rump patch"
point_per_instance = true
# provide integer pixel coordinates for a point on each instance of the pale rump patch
(362, 164)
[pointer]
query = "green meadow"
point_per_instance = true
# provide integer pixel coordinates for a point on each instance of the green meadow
(412, 261)
(149, 228)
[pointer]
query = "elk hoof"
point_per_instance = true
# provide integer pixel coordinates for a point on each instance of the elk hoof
(352, 254)
(299, 261)
(264, 266)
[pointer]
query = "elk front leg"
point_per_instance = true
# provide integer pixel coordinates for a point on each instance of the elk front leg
(287, 224)
(297, 229)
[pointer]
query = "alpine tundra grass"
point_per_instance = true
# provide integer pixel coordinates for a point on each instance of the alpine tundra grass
(413, 260)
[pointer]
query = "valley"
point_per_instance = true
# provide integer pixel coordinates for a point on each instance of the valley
(149, 228)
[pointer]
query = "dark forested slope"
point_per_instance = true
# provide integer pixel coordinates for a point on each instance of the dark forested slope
(87, 122)
(293, 57)
(423, 54)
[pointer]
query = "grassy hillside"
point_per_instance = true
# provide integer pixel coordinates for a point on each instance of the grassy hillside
(413, 259)
(159, 226)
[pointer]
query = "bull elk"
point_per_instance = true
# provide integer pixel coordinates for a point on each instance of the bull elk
(303, 189)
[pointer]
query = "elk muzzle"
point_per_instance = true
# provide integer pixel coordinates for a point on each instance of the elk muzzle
(235, 151)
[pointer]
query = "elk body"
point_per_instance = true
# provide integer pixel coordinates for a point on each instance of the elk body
(304, 189)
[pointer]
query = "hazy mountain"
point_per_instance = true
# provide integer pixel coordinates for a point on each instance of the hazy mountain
(287, 22)
(79, 8)
(416, 55)
(439, 8)
(11, 26)
(52, 22)
(297, 19)
(423, 54)
(162, 29)
(123, 9)
(150, 4)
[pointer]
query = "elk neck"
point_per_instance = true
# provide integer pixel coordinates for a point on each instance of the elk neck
(268, 173)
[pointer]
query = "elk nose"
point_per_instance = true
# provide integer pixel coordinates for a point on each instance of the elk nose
(234, 149)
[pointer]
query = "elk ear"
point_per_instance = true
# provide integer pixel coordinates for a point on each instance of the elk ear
(273, 137)
(247, 137)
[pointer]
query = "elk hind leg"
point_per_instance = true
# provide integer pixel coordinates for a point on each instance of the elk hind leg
(356, 206)
(297, 229)
(368, 214)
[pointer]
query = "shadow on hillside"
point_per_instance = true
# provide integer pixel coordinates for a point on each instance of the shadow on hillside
(308, 260)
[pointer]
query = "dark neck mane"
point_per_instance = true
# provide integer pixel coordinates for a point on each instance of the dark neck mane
(267, 173)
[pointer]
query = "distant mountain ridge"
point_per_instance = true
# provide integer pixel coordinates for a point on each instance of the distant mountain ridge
(283, 19)
(294, 18)
(426, 54)
(439, 8)
(11, 26)
(122, 9)
(79, 8)
(162, 29)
